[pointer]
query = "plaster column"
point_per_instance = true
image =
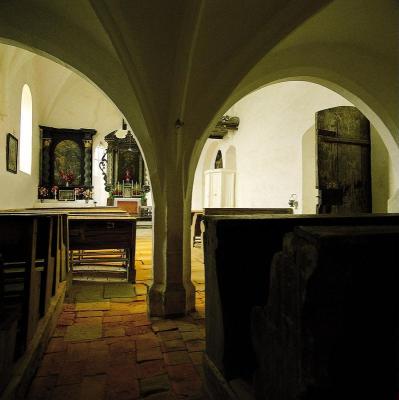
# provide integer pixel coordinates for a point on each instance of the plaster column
(172, 292)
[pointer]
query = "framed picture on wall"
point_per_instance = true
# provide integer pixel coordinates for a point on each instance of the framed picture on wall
(12, 153)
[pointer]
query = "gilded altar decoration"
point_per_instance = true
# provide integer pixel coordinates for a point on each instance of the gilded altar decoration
(66, 160)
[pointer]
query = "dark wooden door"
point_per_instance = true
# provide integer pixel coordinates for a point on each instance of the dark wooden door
(343, 161)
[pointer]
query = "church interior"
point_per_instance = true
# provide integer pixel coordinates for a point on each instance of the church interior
(199, 200)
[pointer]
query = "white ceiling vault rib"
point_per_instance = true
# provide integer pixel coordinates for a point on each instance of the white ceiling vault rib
(186, 47)
(129, 64)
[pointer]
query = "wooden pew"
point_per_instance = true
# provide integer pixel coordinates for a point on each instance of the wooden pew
(238, 256)
(90, 231)
(95, 228)
(31, 294)
(247, 211)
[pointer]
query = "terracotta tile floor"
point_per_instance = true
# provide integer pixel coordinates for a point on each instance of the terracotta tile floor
(105, 347)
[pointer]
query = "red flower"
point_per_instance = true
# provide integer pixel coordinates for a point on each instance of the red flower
(67, 176)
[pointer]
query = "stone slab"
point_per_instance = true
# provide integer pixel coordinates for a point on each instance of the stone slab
(83, 332)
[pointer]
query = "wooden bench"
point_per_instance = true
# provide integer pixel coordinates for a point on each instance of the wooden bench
(197, 227)
(107, 232)
(34, 262)
(238, 257)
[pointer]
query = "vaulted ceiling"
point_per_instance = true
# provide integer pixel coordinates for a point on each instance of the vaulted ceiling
(160, 61)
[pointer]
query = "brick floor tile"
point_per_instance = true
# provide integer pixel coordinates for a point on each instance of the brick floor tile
(117, 312)
(77, 351)
(148, 335)
(114, 318)
(176, 358)
(144, 343)
(97, 345)
(88, 320)
(189, 389)
(42, 387)
(93, 388)
(96, 367)
(142, 322)
(131, 393)
(93, 306)
(172, 345)
(139, 307)
(69, 307)
(60, 331)
(114, 331)
(128, 318)
(56, 345)
(193, 335)
(87, 314)
(66, 392)
(71, 373)
(148, 369)
(139, 316)
(123, 358)
(169, 335)
(122, 346)
(155, 384)
(132, 330)
(162, 396)
(65, 321)
(149, 354)
(196, 357)
(186, 326)
(195, 345)
(122, 374)
(51, 364)
(83, 332)
(182, 372)
(164, 325)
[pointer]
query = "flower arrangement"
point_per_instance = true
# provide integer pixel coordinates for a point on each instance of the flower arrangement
(54, 191)
(78, 193)
(68, 176)
(43, 192)
(87, 194)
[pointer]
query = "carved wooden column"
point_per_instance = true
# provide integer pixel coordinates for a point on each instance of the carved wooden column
(87, 164)
(46, 142)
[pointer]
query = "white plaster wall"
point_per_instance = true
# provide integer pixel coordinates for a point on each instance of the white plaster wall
(61, 99)
(275, 148)
(16, 69)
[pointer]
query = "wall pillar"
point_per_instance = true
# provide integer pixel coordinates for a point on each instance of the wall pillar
(172, 292)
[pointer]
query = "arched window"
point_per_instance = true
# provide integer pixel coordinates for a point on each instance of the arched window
(25, 136)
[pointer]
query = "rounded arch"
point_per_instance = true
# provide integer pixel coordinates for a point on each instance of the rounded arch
(120, 93)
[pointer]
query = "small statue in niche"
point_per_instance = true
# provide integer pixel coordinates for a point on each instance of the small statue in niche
(128, 176)
(219, 160)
